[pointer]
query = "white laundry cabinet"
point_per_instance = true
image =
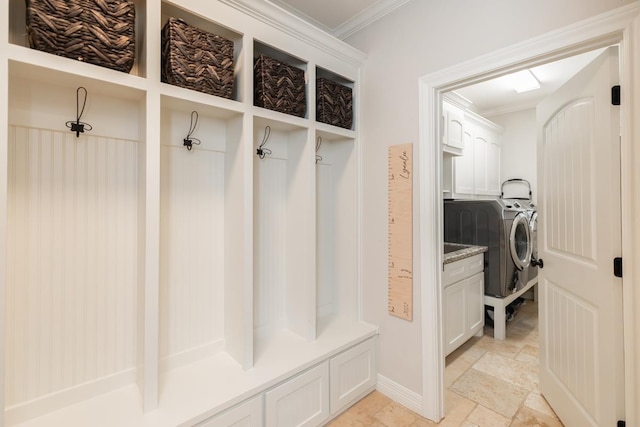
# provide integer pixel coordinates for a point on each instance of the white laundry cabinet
(463, 300)
(472, 168)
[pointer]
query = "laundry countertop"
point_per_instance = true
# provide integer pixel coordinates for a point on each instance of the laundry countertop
(456, 251)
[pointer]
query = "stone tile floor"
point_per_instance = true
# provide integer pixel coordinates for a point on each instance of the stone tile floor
(488, 383)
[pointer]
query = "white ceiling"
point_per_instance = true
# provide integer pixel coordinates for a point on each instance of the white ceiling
(498, 97)
(340, 18)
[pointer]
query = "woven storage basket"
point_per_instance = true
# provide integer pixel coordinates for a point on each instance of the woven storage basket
(195, 59)
(334, 103)
(100, 32)
(279, 86)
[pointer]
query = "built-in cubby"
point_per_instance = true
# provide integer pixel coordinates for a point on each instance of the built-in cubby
(18, 33)
(336, 227)
(198, 201)
(210, 25)
(283, 230)
(261, 48)
(322, 73)
(152, 282)
(73, 246)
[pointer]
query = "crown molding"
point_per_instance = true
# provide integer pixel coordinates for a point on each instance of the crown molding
(514, 108)
(367, 17)
(295, 26)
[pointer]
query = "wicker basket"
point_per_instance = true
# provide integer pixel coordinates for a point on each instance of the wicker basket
(279, 87)
(195, 59)
(334, 103)
(100, 32)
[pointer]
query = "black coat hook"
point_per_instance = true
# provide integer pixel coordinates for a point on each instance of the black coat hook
(318, 144)
(189, 141)
(77, 126)
(261, 151)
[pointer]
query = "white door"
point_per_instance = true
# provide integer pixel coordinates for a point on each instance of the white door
(581, 348)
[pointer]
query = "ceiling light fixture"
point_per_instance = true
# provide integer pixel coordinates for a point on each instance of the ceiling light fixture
(524, 81)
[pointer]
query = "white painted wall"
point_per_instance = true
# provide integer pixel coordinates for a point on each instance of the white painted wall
(420, 38)
(518, 154)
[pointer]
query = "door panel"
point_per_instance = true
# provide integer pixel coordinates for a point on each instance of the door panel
(463, 168)
(570, 156)
(581, 372)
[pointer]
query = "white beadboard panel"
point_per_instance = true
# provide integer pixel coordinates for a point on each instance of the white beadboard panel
(352, 374)
(570, 162)
(270, 244)
(71, 291)
(192, 249)
(336, 234)
(301, 402)
(325, 239)
(42, 104)
(209, 131)
(572, 354)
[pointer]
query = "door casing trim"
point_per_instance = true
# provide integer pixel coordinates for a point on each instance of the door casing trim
(618, 26)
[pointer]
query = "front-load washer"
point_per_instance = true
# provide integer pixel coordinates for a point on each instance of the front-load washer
(529, 209)
(533, 227)
(500, 226)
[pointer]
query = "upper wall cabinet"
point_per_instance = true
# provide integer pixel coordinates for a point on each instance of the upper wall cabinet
(453, 130)
(475, 172)
(176, 248)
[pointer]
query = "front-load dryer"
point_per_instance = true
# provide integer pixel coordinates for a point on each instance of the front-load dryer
(500, 226)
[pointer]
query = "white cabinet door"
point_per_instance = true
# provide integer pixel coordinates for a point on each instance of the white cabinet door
(493, 165)
(480, 149)
(463, 300)
(453, 128)
(463, 167)
(246, 414)
(301, 401)
(352, 373)
(454, 310)
(474, 307)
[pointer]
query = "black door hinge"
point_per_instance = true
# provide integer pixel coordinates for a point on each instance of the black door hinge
(621, 424)
(615, 95)
(617, 267)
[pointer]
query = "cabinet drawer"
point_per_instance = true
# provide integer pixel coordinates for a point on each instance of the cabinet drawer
(352, 373)
(301, 401)
(459, 270)
(245, 414)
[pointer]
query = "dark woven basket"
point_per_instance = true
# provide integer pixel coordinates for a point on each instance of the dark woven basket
(100, 32)
(279, 86)
(195, 59)
(334, 103)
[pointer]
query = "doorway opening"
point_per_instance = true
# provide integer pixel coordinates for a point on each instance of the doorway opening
(493, 183)
(606, 30)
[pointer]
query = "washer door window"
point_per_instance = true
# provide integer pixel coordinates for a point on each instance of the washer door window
(520, 242)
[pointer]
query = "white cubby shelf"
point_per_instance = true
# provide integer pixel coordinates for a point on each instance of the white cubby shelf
(151, 285)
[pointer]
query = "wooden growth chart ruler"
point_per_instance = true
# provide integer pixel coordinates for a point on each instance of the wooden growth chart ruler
(400, 223)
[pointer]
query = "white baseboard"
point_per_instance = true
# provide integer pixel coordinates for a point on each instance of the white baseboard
(400, 394)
